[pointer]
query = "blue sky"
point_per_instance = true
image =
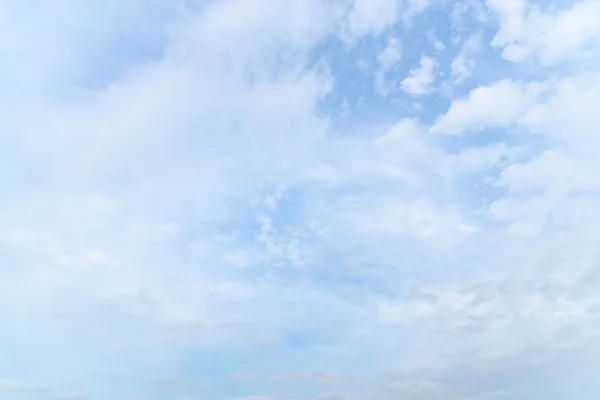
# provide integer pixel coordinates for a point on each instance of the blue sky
(299, 200)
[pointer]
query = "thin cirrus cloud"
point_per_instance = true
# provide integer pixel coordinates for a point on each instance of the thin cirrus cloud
(219, 197)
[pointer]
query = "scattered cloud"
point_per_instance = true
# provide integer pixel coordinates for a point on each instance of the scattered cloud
(181, 197)
(419, 79)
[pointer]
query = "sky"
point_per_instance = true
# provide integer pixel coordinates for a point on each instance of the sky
(299, 199)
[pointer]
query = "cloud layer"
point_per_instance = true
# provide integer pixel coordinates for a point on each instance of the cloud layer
(299, 199)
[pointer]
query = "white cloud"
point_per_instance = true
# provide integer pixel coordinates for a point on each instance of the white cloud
(151, 152)
(391, 55)
(569, 113)
(402, 153)
(562, 174)
(437, 43)
(202, 201)
(419, 79)
(526, 31)
(392, 216)
(415, 7)
(464, 63)
(500, 105)
(475, 158)
(419, 5)
(372, 16)
(388, 58)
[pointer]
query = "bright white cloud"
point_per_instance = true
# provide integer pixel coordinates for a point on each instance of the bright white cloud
(498, 105)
